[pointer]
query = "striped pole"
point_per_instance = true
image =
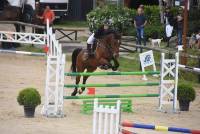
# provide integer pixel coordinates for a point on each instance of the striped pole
(22, 52)
(111, 96)
(160, 128)
(126, 132)
(188, 68)
(112, 85)
(111, 73)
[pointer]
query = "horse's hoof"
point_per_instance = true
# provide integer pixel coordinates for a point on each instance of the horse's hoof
(80, 91)
(114, 68)
(73, 94)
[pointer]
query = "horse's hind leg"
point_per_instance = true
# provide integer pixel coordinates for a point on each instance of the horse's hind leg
(85, 79)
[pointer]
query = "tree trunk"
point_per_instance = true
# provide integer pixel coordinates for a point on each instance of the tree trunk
(198, 4)
(161, 12)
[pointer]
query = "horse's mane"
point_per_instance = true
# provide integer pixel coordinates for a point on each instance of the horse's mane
(113, 33)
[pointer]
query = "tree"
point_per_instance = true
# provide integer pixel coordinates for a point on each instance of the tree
(161, 11)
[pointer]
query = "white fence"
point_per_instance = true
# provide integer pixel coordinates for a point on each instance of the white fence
(106, 119)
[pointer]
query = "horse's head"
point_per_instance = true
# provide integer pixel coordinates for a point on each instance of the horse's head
(114, 42)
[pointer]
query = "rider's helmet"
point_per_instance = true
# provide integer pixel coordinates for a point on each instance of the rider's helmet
(107, 23)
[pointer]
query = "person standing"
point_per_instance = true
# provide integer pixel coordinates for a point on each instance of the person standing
(38, 12)
(169, 24)
(48, 14)
(179, 28)
(139, 22)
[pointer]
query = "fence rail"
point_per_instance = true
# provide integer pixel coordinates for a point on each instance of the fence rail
(111, 73)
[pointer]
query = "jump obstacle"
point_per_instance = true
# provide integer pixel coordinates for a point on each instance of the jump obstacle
(88, 105)
(106, 119)
(54, 86)
(22, 52)
(167, 84)
(156, 128)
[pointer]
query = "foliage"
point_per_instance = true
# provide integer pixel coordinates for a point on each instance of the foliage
(186, 92)
(152, 14)
(29, 97)
(151, 29)
(30, 48)
(121, 18)
(194, 21)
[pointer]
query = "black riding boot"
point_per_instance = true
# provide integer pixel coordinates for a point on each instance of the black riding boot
(89, 49)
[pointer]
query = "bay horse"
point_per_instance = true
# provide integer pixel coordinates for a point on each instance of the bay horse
(14, 13)
(107, 50)
(11, 13)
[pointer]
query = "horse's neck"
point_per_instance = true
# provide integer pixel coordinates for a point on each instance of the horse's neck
(11, 13)
(102, 49)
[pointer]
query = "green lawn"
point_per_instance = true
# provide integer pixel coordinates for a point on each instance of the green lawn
(134, 65)
(30, 48)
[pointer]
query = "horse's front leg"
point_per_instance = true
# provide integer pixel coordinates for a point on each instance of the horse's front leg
(76, 88)
(116, 64)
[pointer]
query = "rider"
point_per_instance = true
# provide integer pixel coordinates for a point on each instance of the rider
(101, 31)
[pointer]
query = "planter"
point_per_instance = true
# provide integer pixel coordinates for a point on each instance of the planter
(29, 111)
(184, 105)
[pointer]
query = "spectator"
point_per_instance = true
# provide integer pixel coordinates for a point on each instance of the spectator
(48, 14)
(36, 19)
(169, 23)
(179, 28)
(139, 22)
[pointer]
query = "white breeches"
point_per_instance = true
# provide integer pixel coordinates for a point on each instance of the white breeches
(91, 39)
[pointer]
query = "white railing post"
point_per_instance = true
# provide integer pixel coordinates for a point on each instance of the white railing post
(106, 119)
(176, 81)
(168, 82)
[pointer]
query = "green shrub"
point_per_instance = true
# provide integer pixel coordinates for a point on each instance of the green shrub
(152, 14)
(29, 97)
(186, 92)
(151, 29)
(121, 17)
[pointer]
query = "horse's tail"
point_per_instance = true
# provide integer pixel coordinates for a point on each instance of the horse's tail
(74, 57)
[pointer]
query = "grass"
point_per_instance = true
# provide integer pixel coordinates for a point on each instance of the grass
(30, 48)
(134, 65)
(73, 24)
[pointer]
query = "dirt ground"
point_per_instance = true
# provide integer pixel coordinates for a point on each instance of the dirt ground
(18, 72)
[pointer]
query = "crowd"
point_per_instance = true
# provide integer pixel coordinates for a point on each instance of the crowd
(173, 24)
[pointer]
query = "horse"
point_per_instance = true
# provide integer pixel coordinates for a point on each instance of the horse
(11, 13)
(107, 50)
(15, 13)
